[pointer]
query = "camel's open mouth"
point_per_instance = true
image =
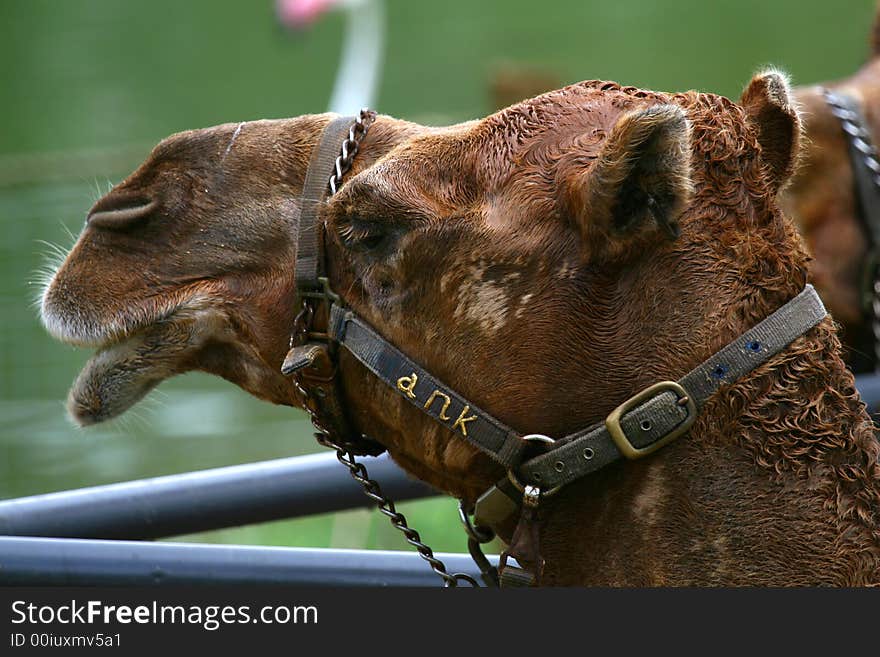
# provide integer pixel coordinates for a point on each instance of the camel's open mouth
(113, 380)
(131, 357)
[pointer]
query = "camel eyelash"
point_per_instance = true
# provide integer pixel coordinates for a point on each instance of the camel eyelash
(360, 234)
(351, 233)
(364, 235)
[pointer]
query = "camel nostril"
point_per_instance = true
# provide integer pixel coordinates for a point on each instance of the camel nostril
(120, 213)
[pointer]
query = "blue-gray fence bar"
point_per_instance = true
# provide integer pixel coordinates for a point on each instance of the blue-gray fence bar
(868, 386)
(77, 562)
(204, 500)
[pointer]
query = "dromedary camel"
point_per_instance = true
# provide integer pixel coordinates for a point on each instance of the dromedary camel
(548, 262)
(839, 220)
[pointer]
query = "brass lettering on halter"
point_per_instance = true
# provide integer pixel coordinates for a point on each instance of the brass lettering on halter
(462, 419)
(407, 385)
(446, 402)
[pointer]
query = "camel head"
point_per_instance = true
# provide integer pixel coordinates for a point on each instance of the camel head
(822, 201)
(187, 265)
(547, 261)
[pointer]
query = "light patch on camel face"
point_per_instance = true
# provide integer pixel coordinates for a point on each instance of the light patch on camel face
(566, 270)
(232, 139)
(649, 500)
(489, 307)
(445, 280)
(523, 305)
(485, 303)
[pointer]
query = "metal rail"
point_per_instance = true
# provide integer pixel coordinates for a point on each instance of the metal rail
(77, 562)
(204, 500)
(868, 386)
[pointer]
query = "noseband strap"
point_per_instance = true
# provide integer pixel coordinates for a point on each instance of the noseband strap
(310, 236)
(420, 388)
(311, 360)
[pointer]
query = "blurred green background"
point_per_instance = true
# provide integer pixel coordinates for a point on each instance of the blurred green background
(88, 86)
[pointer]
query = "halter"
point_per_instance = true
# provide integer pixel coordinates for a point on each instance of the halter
(637, 428)
(866, 175)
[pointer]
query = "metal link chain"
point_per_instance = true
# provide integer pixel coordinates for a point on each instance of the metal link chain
(350, 147)
(372, 490)
(477, 536)
(344, 455)
(861, 140)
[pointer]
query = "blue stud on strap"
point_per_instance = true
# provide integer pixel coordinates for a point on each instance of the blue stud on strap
(719, 371)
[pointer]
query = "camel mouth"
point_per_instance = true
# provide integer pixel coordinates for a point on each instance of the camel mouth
(113, 380)
(122, 372)
(124, 368)
(134, 353)
(79, 325)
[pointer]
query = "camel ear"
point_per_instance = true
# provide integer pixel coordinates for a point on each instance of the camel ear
(639, 184)
(771, 112)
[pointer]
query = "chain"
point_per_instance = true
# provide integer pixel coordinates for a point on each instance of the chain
(374, 492)
(861, 140)
(477, 536)
(344, 455)
(351, 146)
(853, 127)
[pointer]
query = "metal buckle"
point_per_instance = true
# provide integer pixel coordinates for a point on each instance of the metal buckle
(536, 492)
(326, 292)
(612, 422)
(308, 298)
(478, 533)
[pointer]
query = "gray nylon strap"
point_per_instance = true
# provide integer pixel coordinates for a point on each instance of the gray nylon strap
(585, 452)
(862, 153)
(645, 424)
(421, 389)
(756, 345)
(317, 183)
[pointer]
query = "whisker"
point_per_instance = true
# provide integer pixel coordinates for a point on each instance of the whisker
(55, 249)
(96, 190)
(138, 416)
(68, 231)
(52, 256)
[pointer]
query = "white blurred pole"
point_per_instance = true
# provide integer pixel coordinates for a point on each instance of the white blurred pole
(357, 79)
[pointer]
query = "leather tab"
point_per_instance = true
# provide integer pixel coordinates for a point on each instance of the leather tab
(301, 357)
(525, 548)
(513, 577)
(494, 507)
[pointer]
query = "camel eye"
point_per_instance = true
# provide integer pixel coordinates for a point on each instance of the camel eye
(371, 241)
(365, 236)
